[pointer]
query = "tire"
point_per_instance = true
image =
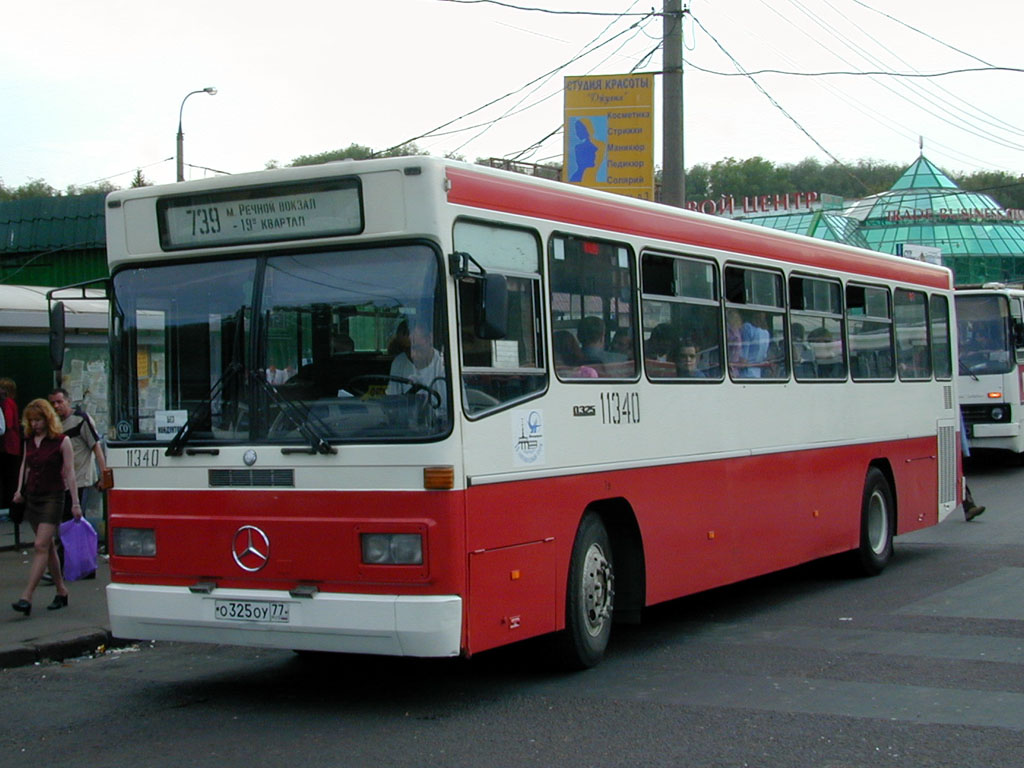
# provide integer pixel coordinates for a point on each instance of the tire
(590, 596)
(877, 517)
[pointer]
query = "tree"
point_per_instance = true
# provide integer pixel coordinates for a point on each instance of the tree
(33, 188)
(139, 180)
(753, 176)
(104, 187)
(1007, 189)
(358, 152)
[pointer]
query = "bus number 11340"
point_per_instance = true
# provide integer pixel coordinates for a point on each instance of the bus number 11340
(620, 408)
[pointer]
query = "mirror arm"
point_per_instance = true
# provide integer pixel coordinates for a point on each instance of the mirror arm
(458, 265)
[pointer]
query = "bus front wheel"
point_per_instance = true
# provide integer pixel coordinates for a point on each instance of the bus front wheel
(589, 598)
(876, 525)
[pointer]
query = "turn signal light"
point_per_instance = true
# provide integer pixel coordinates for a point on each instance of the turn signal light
(995, 395)
(439, 478)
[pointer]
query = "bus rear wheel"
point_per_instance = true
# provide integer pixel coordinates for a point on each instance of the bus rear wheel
(876, 525)
(590, 597)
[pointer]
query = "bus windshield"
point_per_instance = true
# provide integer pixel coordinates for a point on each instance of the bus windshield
(343, 345)
(984, 330)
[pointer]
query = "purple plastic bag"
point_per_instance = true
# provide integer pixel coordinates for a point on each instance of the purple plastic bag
(79, 540)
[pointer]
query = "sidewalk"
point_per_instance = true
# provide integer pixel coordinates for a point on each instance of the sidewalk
(73, 631)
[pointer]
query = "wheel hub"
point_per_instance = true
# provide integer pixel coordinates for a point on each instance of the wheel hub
(598, 589)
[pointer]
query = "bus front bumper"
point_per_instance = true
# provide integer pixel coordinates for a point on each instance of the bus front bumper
(390, 625)
(982, 430)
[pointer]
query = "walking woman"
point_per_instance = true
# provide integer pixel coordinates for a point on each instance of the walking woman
(47, 469)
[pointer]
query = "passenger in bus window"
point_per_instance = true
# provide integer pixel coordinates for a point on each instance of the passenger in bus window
(660, 350)
(756, 339)
(828, 353)
(734, 341)
(591, 335)
(569, 357)
(803, 354)
(686, 362)
(622, 343)
(342, 344)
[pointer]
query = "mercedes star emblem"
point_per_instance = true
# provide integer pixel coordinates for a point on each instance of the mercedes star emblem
(250, 548)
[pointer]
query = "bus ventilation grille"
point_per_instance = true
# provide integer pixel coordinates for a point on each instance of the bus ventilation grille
(252, 478)
(948, 447)
(947, 394)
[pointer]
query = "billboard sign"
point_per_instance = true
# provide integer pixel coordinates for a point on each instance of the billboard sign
(929, 253)
(609, 133)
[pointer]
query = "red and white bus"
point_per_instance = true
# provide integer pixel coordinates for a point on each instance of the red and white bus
(416, 407)
(990, 320)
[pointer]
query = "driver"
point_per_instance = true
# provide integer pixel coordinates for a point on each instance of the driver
(420, 363)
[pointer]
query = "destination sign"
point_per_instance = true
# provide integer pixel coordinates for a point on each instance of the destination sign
(260, 214)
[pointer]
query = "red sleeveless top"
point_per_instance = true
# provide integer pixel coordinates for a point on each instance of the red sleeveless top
(44, 466)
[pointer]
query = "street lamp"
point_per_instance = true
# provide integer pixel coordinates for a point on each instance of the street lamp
(181, 136)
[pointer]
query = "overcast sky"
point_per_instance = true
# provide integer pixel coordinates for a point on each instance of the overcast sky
(91, 90)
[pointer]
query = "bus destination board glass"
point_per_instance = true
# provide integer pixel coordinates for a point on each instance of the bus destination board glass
(260, 214)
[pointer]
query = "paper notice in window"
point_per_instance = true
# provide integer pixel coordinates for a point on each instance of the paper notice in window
(168, 423)
(505, 354)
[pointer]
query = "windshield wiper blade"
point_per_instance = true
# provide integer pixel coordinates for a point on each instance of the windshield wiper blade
(967, 371)
(174, 448)
(300, 416)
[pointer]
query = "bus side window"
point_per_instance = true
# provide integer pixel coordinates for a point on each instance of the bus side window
(942, 357)
(593, 293)
(816, 328)
(869, 325)
(500, 371)
(755, 324)
(910, 310)
(682, 318)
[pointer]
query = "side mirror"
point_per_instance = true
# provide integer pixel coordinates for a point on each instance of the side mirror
(57, 335)
(492, 306)
(1017, 329)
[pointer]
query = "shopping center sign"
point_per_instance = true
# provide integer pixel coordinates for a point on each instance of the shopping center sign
(609, 133)
(788, 202)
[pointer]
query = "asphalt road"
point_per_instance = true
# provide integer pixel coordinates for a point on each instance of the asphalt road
(920, 666)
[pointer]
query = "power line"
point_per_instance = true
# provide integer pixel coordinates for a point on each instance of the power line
(122, 173)
(635, 26)
(855, 73)
(846, 95)
(947, 112)
(970, 111)
(521, 88)
(768, 96)
(533, 148)
(548, 10)
(918, 31)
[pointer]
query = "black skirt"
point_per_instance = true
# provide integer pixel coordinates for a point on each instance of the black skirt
(46, 508)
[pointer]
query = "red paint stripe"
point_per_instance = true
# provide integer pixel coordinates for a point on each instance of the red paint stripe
(528, 197)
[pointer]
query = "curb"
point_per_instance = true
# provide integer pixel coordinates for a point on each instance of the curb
(55, 648)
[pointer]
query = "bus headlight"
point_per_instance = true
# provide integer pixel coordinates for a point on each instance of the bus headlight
(392, 548)
(135, 542)
(998, 413)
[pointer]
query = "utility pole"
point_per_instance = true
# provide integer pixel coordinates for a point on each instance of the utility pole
(673, 172)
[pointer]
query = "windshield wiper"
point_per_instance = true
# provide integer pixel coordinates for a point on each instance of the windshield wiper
(967, 371)
(177, 443)
(301, 417)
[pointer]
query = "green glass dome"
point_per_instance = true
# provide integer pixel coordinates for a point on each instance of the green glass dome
(824, 225)
(980, 241)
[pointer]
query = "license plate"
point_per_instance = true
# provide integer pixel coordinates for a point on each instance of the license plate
(251, 610)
